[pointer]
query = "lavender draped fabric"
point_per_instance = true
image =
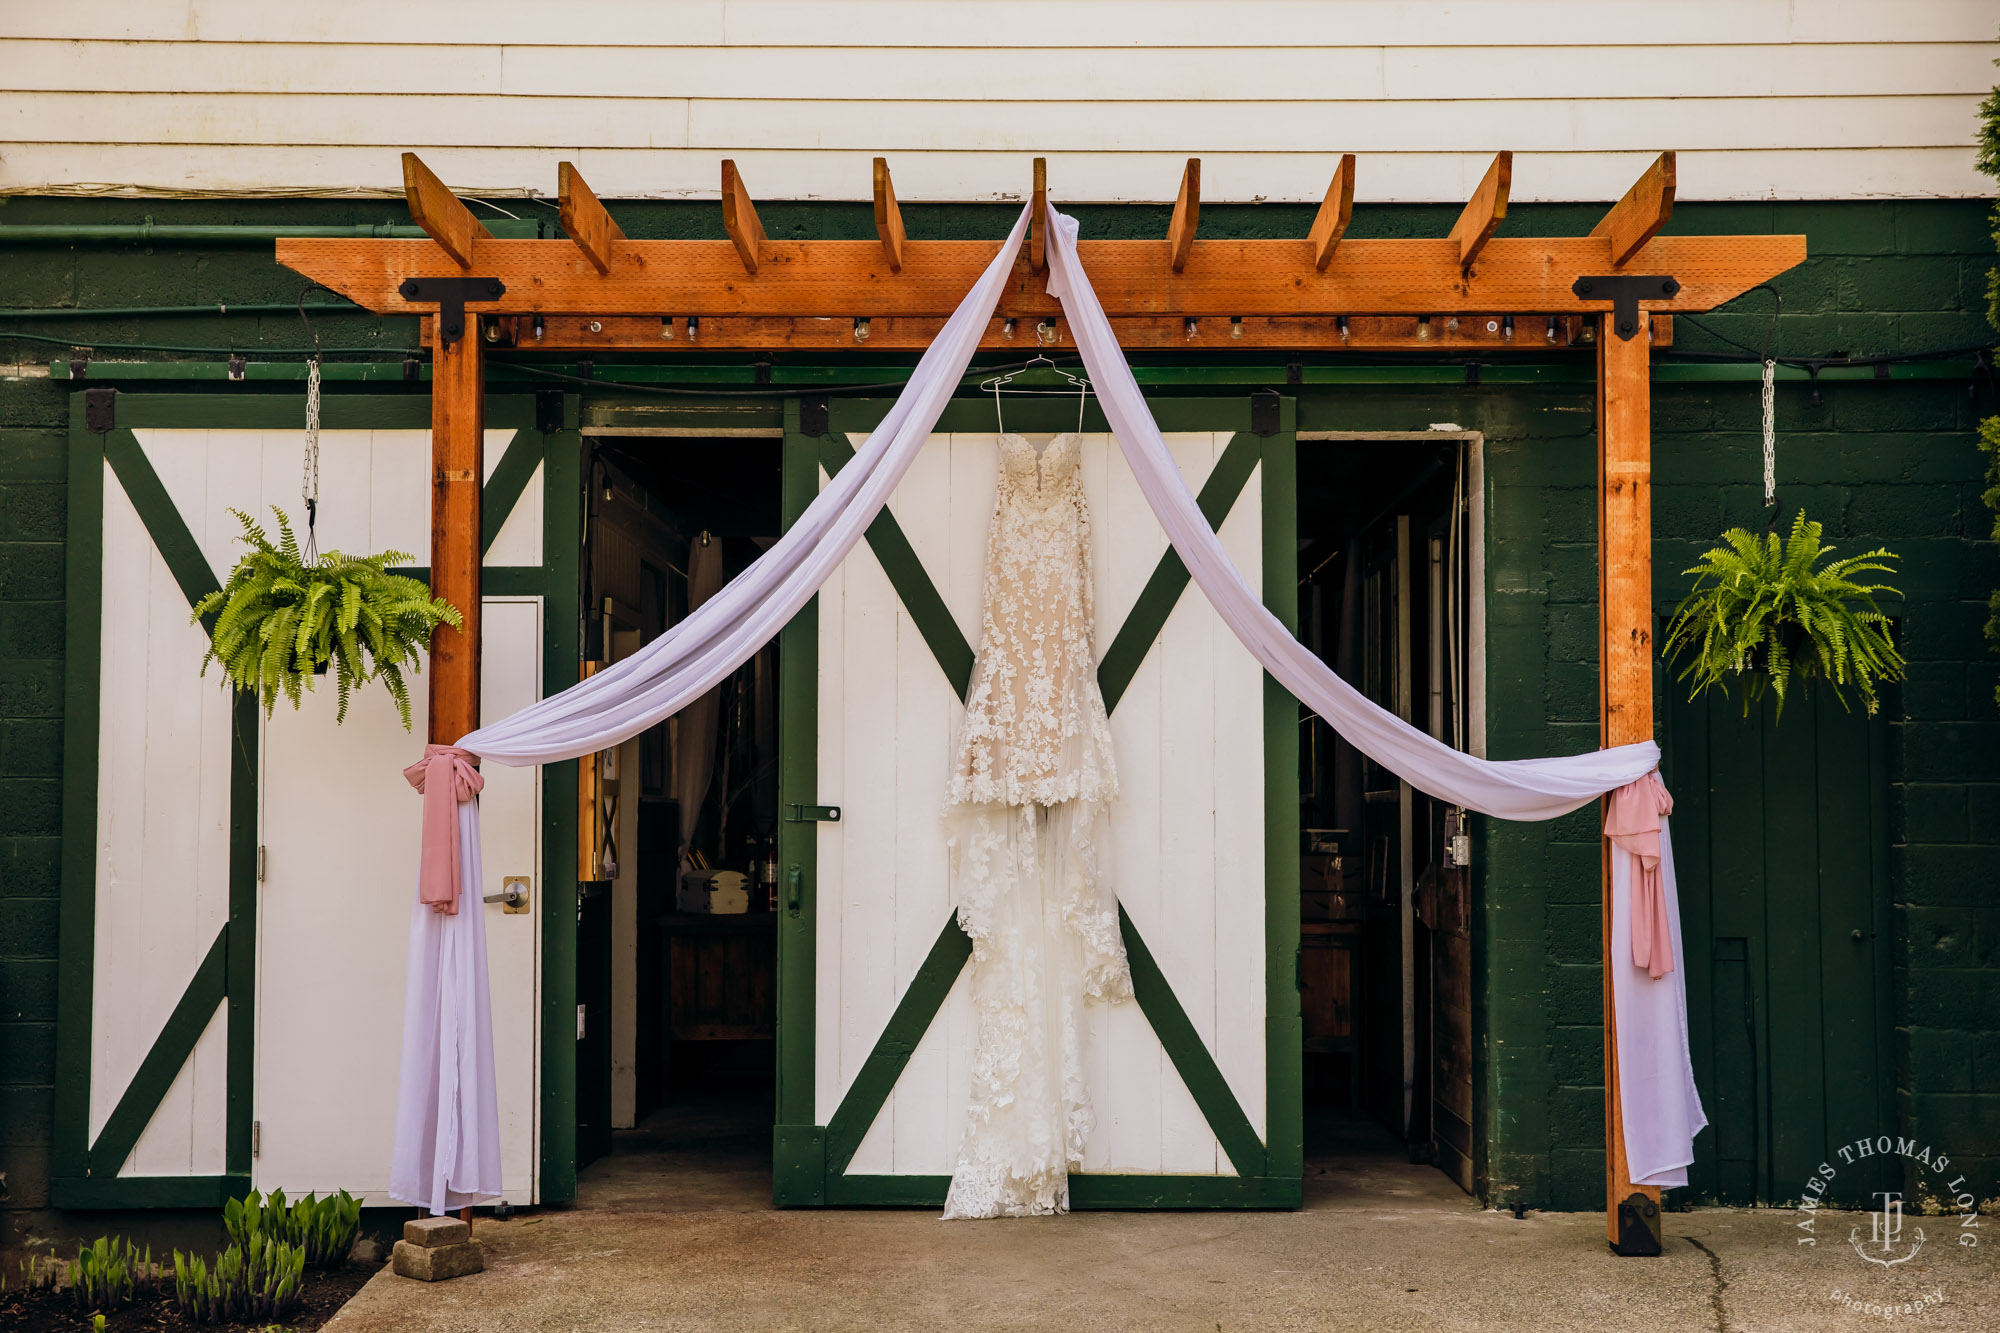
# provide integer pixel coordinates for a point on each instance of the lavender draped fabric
(1662, 1111)
(447, 1153)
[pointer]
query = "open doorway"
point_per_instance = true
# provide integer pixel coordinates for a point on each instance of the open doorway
(676, 927)
(1387, 574)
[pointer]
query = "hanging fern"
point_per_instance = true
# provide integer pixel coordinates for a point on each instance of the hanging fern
(1774, 612)
(280, 620)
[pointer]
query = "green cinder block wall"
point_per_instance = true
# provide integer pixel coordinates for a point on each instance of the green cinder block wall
(1890, 463)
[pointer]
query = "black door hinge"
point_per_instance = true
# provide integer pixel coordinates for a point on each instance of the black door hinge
(100, 409)
(548, 410)
(1625, 291)
(814, 416)
(1265, 407)
(812, 814)
(451, 294)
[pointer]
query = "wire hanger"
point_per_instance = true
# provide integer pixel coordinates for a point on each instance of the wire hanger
(999, 383)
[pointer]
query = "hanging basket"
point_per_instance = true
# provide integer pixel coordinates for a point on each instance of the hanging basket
(286, 618)
(1770, 613)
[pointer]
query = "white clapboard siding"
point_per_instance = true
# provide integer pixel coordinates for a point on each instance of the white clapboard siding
(884, 74)
(1764, 98)
(1186, 847)
(1034, 24)
(339, 827)
(731, 125)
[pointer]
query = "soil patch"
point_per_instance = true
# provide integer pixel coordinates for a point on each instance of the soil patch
(53, 1311)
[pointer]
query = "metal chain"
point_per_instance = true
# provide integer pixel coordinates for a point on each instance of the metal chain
(309, 483)
(1770, 436)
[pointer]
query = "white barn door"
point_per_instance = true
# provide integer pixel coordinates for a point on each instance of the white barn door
(261, 872)
(1179, 1081)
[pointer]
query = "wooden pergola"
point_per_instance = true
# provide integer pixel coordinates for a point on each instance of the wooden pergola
(1320, 292)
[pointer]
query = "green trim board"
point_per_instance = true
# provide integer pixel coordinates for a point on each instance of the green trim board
(1163, 590)
(77, 913)
(807, 1155)
(560, 586)
(207, 1192)
(171, 1049)
(913, 585)
(1284, 1057)
(84, 1174)
(798, 1143)
(912, 1018)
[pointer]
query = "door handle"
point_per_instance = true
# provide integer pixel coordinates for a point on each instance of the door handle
(513, 895)
(795, 888)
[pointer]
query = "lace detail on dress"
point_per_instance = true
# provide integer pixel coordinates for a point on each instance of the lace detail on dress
(1035, 727)
(1026, 820)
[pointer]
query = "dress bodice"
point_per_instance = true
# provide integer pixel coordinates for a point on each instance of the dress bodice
(1039, 477)
(1035, 729)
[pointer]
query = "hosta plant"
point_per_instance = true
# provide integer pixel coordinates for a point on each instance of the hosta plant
(108, 1274)
(282, 619)
(322, 1229)
(256, 1280)
(1772, 613)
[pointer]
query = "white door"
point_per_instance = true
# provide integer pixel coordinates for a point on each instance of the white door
(340, 830)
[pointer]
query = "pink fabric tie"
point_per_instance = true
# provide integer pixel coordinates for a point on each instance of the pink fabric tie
(446, 776)
(1632, 821)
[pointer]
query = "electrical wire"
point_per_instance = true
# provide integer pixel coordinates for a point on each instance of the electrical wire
(89, 344)
(759, 391)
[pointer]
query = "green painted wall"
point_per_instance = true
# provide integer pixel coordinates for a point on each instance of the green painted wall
(1877, 462)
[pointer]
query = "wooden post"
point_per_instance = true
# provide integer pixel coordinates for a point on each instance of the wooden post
(1625, 623)
(458, 468)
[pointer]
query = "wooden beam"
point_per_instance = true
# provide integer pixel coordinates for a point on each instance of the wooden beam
(1625, 623)
(585, 219)
(1038, 258)
(1359, 333)
(1187, 216)
(438, 211)
(844, 279)
(739, 217)
(458, 470)
(1638, 217)
(1476, 224)
(888, 217)
(1335, 212)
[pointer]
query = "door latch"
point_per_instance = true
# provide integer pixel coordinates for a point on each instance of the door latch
(513, 895)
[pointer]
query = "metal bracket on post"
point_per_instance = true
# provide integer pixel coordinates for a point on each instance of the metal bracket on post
(451, 294)
(1625, 291)
(1638, 1227)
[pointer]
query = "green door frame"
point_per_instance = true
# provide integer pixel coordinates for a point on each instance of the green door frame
(86, 1172)
(809, 1159)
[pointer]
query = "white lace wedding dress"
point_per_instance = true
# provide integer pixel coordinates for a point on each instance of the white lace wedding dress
(1030, 784)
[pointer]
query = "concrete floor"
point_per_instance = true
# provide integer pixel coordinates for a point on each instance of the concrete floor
(676, 1231)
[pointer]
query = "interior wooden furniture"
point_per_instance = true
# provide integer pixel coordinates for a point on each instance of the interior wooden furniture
(1316, 292)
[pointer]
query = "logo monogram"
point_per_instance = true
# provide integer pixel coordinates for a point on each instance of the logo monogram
(1886, 1233)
